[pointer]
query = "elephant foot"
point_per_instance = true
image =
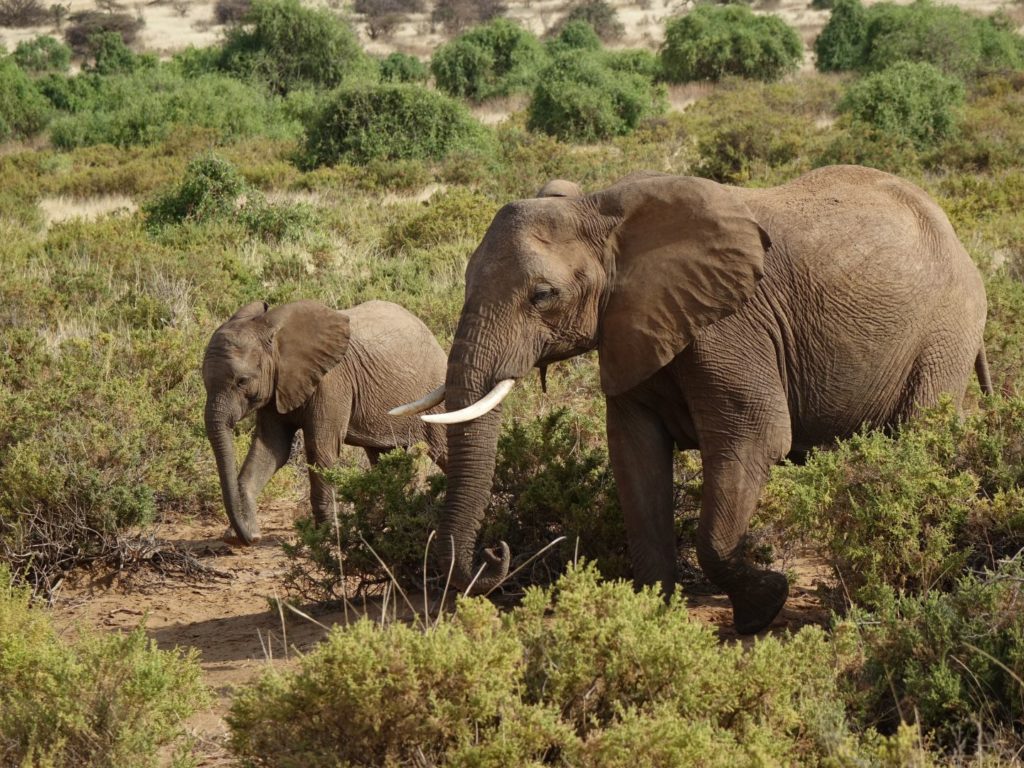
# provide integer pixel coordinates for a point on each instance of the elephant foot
(230, 537)
(758, 601)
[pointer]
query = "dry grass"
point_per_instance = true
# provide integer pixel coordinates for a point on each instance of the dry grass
(62, 208)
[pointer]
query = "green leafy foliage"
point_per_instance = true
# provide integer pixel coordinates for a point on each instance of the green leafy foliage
(712, 42)
(574, 36)
(495, 59)
(403, 68)
(955, 660)
(148, 105)
(392, 122)
(286, 45)
(957, 42)
(24, 111)
(105, 700)
(587, 673)
(112, 57)
(211, 189)
(599, 15)
(579, 97)
(909, 100)
(42, 54)
(906, 513)
(548, 482)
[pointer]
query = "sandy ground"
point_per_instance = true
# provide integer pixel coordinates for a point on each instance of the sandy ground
(228, 618)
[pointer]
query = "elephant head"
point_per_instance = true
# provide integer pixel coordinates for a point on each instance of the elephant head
(264, 358)
(634, 271)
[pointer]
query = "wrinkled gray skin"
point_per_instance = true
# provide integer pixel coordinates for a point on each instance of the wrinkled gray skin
(748, 324)
(333, 374)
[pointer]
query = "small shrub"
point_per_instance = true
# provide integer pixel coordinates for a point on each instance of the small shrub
(840, 45)
(147, 106)
(574, 36)
(496, 59)
(910, 100)
(382, 16)
(450, 216)
(600, 15)
(42, 54)
(24, 111)
(953, 662)
(459, 15)
(584, 673)
(112, 57)
(394, 122)
(287, 46)
(637, 61)
(86, 24)
(957, 42)
(403, 68)
(711, 42)
(209, 189)
(105, 700)
(231, 11)
(578, 97)
(22, 13)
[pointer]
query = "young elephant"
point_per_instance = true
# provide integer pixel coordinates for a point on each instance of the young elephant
(333, 374)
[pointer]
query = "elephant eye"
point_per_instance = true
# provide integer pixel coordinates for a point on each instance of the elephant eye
(243, 381)
(543, 293)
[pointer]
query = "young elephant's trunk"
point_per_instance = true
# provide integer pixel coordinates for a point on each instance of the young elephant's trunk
(472, 447)
(239, 508)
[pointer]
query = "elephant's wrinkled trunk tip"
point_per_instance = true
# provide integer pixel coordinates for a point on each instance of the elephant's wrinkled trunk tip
(491, 573)
(485, 404)
(425, 403)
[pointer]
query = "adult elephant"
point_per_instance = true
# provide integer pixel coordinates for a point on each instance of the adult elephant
(749, 323)
(333, 374)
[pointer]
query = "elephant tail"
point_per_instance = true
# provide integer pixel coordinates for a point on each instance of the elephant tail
(981, 369)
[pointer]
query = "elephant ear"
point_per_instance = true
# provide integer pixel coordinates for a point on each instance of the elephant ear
(251, 310)
(684, 253)
(560, 188)
(309, 339)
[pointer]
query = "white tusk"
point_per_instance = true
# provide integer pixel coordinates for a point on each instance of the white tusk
(486, 403)
(425, 403)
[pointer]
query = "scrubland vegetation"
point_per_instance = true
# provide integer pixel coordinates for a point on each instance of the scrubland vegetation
(284, 164)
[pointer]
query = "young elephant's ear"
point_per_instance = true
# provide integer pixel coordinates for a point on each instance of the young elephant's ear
(309, 339)
(560, 188)
(684, 253)
(251, 310)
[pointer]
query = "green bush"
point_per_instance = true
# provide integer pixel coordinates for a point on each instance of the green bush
(910, 100)
(403, 68)
(583, 673)
(957, 42)
(287, 46)
(112, 57)
(24, 111)
(149, 105)
(637, 61)
(42, 54)
(211, 189)
(951, 661)
(905, 513)
(579, 97)
(393, 122)
(495, 59)
(457, 215)
(840, 45)
(712, 42)
(86, 24)
(600, 15)
(547, 483)
(575, 36)
(105, 700)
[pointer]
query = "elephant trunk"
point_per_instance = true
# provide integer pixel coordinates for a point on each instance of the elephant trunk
(472, 447)
(239, 507)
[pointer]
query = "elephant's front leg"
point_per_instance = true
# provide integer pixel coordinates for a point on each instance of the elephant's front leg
(271, 446)
(324, 438)
(641, 448)
(733, 480)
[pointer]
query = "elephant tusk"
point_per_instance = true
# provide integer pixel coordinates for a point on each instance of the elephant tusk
(425, 403)
(486, 403)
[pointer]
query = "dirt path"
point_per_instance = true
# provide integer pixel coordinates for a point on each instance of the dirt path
(229, 619)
